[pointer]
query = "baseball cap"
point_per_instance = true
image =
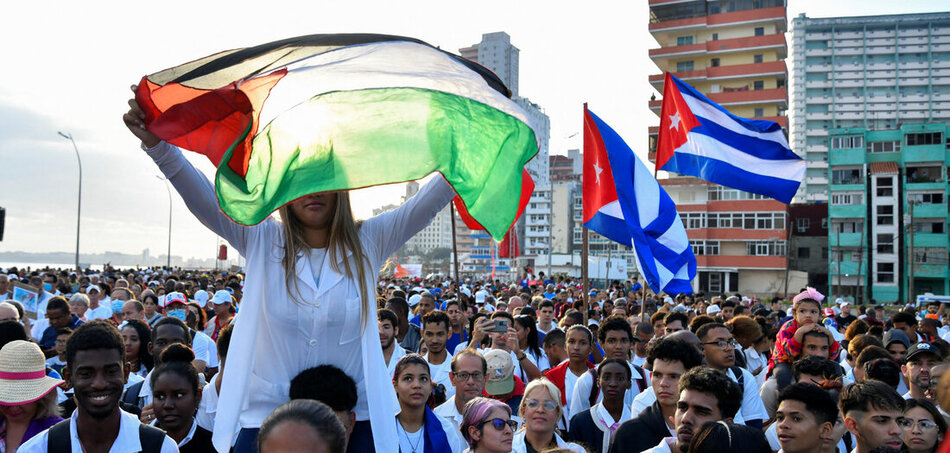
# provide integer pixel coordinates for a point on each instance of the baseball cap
(501, 371)
(221, 297)
(93, 287)
(173, 297)
(480, 296)
(201, 296)
(922, 348)
(414, 300)
(713, 309)
(829, 312)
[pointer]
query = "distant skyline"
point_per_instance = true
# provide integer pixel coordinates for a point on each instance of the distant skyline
(76, 61)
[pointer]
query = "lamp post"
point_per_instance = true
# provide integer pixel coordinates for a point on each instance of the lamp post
(168, 264)
(79, 194)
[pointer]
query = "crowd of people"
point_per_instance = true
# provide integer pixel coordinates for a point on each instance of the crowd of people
(479, 366)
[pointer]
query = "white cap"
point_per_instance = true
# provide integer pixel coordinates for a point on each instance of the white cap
(713, 309)
(93, 287)
(221, 297)
(480, 296)
(201, 296)
(174, 296)
(414, 300)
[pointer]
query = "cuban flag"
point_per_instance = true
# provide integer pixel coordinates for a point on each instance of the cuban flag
(699, 138)
(625, 203)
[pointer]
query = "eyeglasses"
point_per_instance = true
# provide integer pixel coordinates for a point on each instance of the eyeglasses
(500, 423)
(924, 424)
(534, 404)
(463, 376)
(725, 345)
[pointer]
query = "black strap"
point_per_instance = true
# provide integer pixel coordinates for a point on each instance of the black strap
(151, 438)
(737, 371)
(642, 381)
(58, 439)
(131, 394)
(594, 387)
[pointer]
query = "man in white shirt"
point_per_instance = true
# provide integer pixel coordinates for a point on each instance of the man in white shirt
(546, 317)
(388, 330)
(719, 349)
(5, 291)
(435, 334)
(97, 374)
(469, 370)
(96, 311)
(706, 395)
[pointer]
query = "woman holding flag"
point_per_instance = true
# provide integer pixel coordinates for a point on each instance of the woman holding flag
(308, 298)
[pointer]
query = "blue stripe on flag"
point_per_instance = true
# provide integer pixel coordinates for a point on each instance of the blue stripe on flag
(609, 227)
(750, 124)
(764, 149)
(723, 173)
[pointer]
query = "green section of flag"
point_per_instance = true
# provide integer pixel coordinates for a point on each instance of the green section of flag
(352, 139)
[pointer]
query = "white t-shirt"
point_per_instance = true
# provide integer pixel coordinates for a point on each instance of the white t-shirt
(100, 312)
(440, 374)
(752, 407)
(127, 441)
(570, 380)
(411, 442)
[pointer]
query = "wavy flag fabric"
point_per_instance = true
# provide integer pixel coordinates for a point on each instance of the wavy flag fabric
(626, 204)
(699, 138)
(332, 112)
(508, 248)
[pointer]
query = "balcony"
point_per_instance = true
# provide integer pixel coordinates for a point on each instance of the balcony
(741, 261)
(817, 148)
(818, 84)
(779, 95)
(776, 41)
(747, 70)
(929, 239)
(776, 15)
(818, 68)
(816, 132)
(847, 267)
(926, 270)
(930, 210)
(844, 239)
(847, 211)
(818, 116)
(818, 52)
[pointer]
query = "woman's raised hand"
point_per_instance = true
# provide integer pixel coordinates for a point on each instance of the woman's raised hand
(135, 120)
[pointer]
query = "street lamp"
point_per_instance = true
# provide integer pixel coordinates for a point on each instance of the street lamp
(79, 195)
(169, 254)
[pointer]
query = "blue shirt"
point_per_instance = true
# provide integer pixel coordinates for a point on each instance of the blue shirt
(48, 340)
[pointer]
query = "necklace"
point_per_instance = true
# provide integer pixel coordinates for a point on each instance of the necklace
(408, 440)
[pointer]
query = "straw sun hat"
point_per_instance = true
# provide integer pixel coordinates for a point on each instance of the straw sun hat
(23, 374)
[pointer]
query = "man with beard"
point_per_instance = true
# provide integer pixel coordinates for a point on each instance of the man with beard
(435, 332)
(871, 412)
(705, 395)
(918, 362)
(388, 330)
(96, 369)
(469, 370)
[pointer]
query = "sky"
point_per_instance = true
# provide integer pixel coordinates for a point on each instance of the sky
(68, 67)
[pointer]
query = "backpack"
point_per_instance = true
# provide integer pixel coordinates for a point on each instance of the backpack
(59, 440)
(131, 395)
(740, 376)
(595, 388)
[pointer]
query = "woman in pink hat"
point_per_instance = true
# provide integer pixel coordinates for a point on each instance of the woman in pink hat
(27, 396)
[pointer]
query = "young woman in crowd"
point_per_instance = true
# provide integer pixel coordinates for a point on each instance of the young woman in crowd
(302, 425)
(196, 318)
(487, 426)
(136, 335)
(310, 291)
(27, 404)
(528, 340)
(418, 428)
(923, 426)
(541, 410)
(176, 396)
(152, 311)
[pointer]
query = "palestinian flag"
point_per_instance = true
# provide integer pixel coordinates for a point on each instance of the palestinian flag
(333, 112)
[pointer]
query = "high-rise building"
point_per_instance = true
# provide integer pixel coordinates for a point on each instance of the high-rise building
(884, 184)
(872, 72)
(733, 52)
(496, 53)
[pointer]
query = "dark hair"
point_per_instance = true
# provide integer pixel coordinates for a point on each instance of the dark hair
(703, 331)
(904, 317)
(884, 370)
(861, 342)
(315, 414)
(727, 392)
(622, 363)
(929, 407)
(96, 334)
(863, 395)
(327, 384)
(176, 322)
(614, 323)
(671, 349)
(677, 316)
(644, 328)
(728, 303)
(817, 333)
(816, 366)
(527, 323)
(11, 331)
(469, 353)
(148, 296)
(658, 316)
(583, 328)
(398, 303)
(451, 302)
(816, 400)
(555, 337)
(224, 341)
(385, 314)
(409, 359)
(722, 437)
(202, 320)
(176, 359)
(145, 336)
(58, 303)
(546, 303)
(856, 328)
(870, 353)
(699, 321)
(436, 317)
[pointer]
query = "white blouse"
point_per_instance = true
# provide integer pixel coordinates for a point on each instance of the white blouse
(322, 325)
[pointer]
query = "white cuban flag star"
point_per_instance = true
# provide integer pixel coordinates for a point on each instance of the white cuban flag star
(675, 121)
(597, 172)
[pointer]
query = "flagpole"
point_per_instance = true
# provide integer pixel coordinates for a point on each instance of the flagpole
(455, 250)
(584, 251)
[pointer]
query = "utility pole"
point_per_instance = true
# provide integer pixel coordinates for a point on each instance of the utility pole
(79, 193)
(909, 222)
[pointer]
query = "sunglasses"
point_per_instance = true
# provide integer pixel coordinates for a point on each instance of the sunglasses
(500, 423)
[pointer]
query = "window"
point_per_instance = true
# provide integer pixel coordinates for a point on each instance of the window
(824, 223)
(926, 198)
(930, 255)
(714, 62)
(847, 226)
(846, 198)
(885, 272)
(715, 282)
(715, 36)
(683, 66)
(847, 142)
(885, 243)
(804, 252)
(766, 248)
(824, 253)
(684, 40)
(758, 112)
(759, 31)
(758, 85)
(847, 176)
(693, 220)
(928, 225)
(926, 138)
(884, 147)
(885, 215)
(885, 186)
(933, 173)
(698, 247)
(803, 223)
(712, 247)
(757, 58)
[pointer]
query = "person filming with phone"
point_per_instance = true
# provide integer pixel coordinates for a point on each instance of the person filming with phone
(504, 336)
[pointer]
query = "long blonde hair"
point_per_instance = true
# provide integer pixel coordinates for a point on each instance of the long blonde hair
(344, 235)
